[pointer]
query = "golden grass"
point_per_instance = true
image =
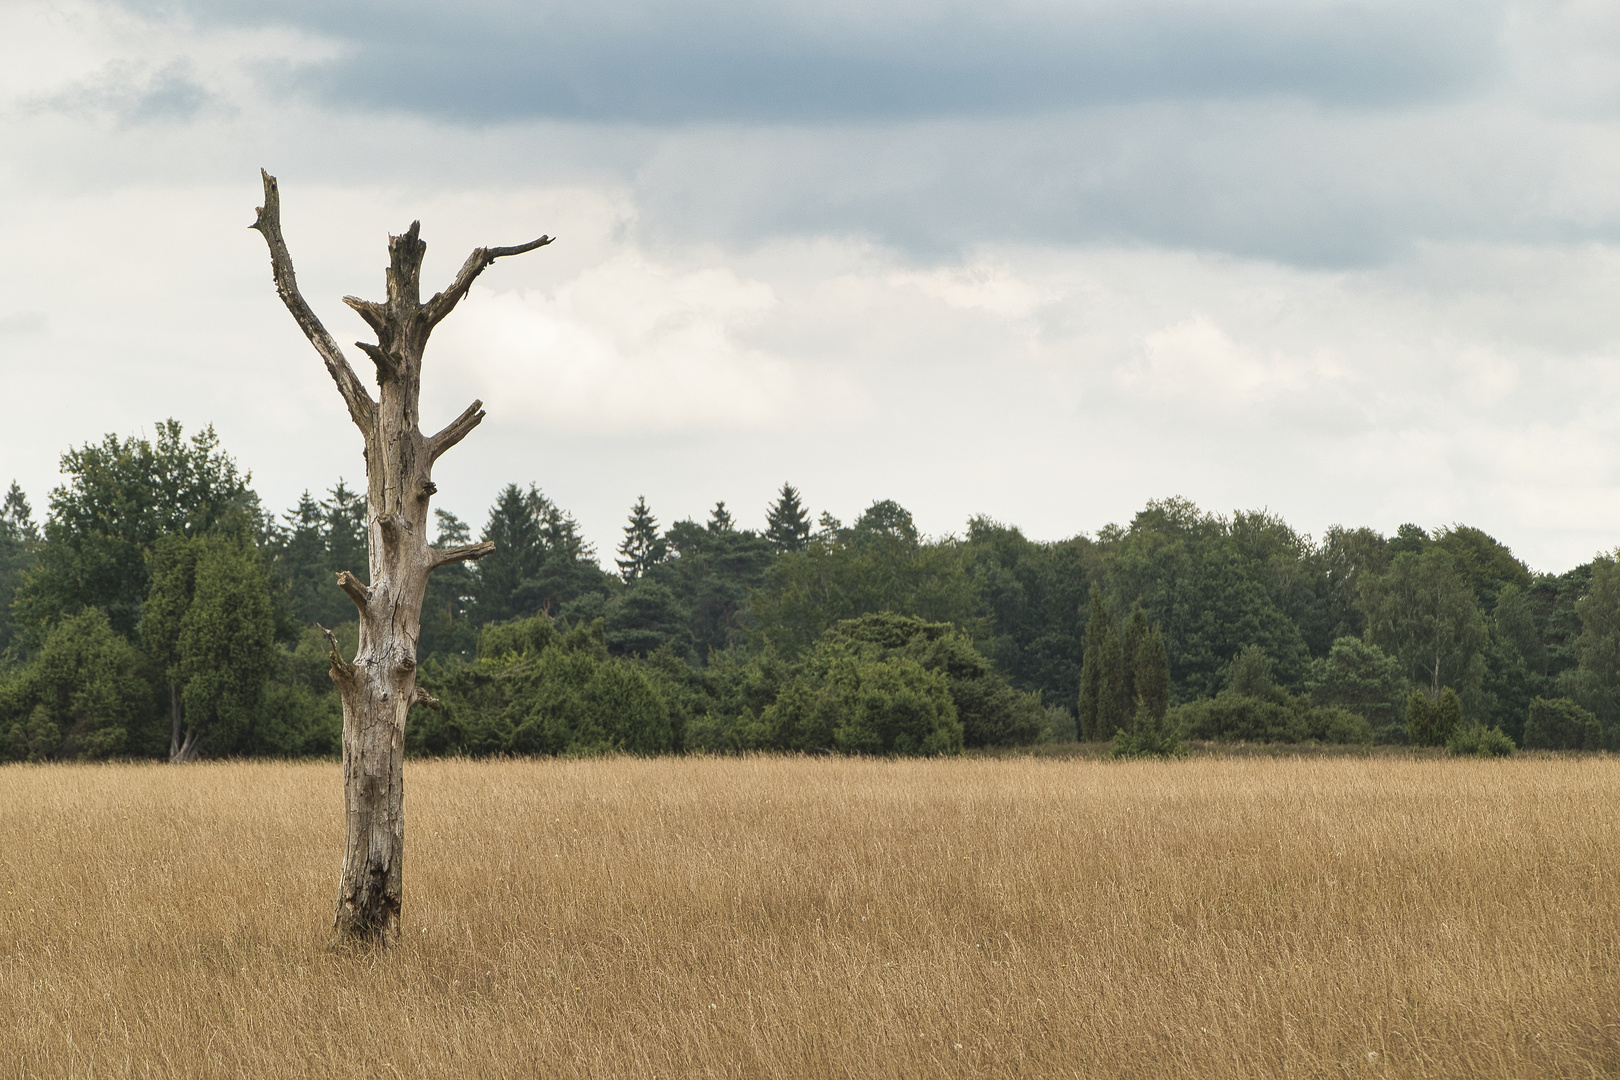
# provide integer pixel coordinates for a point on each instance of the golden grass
(824, 917)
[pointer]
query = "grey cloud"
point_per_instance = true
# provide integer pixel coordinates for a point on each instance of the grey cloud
(132, 96)
(26, 322)
(742, 62)
(1286, 182)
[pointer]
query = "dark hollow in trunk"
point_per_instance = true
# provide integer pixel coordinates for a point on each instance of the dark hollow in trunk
(379, 687)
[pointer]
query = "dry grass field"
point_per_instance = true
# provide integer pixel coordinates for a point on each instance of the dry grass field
(1331, 917)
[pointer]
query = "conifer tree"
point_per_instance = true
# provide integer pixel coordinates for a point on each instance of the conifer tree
(787, 524)
(720, 519)
(1420, 719)
(1152, 670)
(1135, 633)
(642, 549)
(1112, 714)
(515, 533)
(1448, 716)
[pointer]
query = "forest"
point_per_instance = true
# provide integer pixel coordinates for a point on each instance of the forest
(159, 610)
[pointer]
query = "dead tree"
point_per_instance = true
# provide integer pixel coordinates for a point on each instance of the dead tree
(379, 687)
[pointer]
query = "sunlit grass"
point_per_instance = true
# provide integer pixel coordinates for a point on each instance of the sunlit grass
(824, 917)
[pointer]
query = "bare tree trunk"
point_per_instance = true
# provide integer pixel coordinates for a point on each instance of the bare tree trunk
(379, 687)
(180, 751)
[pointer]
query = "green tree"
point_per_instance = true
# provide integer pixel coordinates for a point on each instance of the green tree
(1098, 627)
(1433, 721)
(1203, 579)
(712, 573)
(172, 562)
(447, 622)
(1561, 724)
(642, 548)
(879, 564)
(19, 547)
(78, 698)
(787, 524)
(1359, 676)
(1595, 682)
(851, 701)
(121, 495)
(1150, 731)
(1152, 678)
(1112, 715)
(1422, 612)
(210, 625)
(1035, 596)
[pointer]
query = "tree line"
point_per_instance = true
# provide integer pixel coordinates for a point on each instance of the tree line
(159, 610)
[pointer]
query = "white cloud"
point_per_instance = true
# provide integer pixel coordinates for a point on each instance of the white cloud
(630, 345)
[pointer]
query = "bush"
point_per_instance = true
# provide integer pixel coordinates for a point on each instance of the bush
(1480, 741)
(991, 710)
(1433, 723)
(1150, 736)
(1560, 724)
(79, 698)
(856, 703)
(535, 690)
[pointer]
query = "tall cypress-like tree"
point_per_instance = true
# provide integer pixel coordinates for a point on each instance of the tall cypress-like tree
(641, 548)
(1134, 634)
(1097, 627)
(1112, 715)
(787, 523)
(1152, 671)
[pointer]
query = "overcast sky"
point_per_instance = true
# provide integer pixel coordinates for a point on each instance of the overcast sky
(1043, 260)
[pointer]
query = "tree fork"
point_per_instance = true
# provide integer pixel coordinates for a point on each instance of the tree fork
(379, 687)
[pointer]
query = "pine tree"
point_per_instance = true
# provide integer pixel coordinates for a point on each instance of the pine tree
(787, 523)
(720, 520)
(515, 532)
(642, 548)
(344, 512)
(17, 517)
(1097, 625)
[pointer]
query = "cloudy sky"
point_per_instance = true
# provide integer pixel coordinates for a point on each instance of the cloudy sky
(1355, 262)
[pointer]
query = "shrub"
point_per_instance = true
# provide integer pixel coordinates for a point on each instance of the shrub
(1150, 736)
(856, 703)
(991, 710)
(1480, 741)
(1560, 724)
(79, 697)
(1433, 722)
(536, 690)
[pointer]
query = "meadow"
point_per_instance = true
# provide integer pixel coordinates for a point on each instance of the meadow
(1212, 917)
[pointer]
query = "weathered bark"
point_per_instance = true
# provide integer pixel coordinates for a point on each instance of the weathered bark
(379, 687)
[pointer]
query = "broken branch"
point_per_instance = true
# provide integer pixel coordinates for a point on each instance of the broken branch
(362, 410)
(342, 671)
(464, 553)
(422, 697)
(455, 430)
(445, 302)
(357, 592)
